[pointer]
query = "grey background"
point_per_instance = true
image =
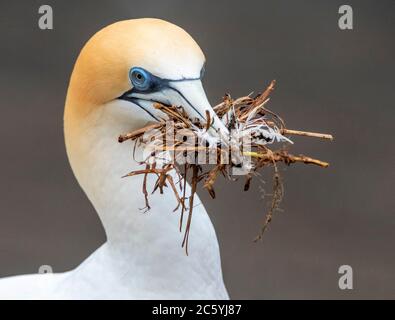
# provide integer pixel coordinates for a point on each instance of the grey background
(329, 80)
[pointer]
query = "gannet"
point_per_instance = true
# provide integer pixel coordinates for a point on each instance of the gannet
(119, 74)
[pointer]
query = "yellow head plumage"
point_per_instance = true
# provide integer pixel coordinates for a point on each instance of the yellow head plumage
(102, 68)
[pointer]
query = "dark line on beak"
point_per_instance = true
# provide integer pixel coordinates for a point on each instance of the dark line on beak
(180, 93)
(139, 105)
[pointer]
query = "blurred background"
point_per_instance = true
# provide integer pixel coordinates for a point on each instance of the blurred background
(328, 80)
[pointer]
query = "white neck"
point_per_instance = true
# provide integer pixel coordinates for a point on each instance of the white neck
(99, 162)
(136, 238)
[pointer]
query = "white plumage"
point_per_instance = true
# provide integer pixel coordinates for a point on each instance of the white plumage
(142, 258)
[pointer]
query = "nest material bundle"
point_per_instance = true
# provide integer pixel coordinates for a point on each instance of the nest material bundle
(256, 139)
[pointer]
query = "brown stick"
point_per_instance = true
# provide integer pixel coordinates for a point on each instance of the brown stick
(193, 191)
(144, 171)
(304, 159)
(286, 158)
(180, 201)
(145, 192)
(139, 132)
(211, 178)
(265, 94)
(183, 195)
(307, 134)
(278, 193)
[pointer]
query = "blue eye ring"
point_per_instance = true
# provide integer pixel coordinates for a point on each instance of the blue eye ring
(140, 78)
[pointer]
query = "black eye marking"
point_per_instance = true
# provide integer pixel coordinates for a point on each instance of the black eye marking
(144, 82)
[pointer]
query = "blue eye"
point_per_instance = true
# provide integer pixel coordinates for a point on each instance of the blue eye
(140, 79)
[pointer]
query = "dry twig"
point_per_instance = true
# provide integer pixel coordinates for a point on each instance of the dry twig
(244, 115)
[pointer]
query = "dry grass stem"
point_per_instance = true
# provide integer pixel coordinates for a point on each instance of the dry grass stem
(242, 116)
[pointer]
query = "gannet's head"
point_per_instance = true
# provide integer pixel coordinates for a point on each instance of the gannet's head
(128, 66)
